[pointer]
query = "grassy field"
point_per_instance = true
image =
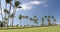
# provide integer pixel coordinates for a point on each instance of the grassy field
(37, 29)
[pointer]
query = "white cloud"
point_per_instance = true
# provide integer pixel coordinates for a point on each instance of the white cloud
(29, 5)
(35, 2)
(26, 6)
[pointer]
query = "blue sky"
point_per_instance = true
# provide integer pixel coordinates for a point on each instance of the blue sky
(39, 8)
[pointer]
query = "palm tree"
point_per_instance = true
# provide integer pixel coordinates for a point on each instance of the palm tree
(12, 16)
(16, 5)
(45, 18)
(48, 21)
(35, 20)
(8, 2)
(6, 12)
(54, 20)
(31, 19)
(42, 21)
(26, 18)
(20, 17)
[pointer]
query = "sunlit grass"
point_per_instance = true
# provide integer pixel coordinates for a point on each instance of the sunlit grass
(37, 29)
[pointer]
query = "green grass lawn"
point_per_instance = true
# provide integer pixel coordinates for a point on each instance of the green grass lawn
(37, 29)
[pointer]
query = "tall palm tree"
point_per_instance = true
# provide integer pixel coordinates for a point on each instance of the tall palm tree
(49, 21)
(20, 17)
(16, 5)
(45, 17)
(35, 20)
(54, 20)
(26, 21)
(8, 2)
(12, 16)
(9, 12)
(5, 18)
(24, 18)
(31, 19)
(6, 12)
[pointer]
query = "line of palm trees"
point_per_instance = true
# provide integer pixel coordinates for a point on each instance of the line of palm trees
(35, 20)
(8, 15)
(49, 18)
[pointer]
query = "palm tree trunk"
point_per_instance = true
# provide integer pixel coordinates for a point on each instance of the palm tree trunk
(48, 22)
(5, 13)
(9, 13)
(5, 8)
(12, 21)
(42, 23)
(20, 23)
(14, 11)
(26, 22)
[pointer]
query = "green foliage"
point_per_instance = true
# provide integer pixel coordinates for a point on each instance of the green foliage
(48, 16)
(12, 15)
(17, 3)
(34, 16)
(20, 17)
(8, 1)
(6, 11)
(19, 7)
(31, 19)
(26, 17)
(52, 16)
(45, 16)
